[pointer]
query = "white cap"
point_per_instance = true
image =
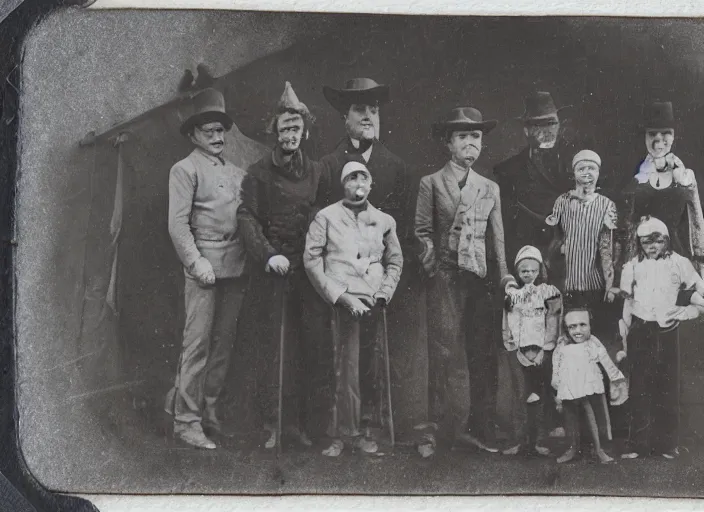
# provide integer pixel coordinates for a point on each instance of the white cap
(586, 154)
(650, 225)
(526, 252)
(351, 167)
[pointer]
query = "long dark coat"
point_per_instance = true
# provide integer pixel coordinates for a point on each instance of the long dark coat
(528, 193)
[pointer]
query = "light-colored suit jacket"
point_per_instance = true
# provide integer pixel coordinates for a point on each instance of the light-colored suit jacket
(204, 194)
(359, 255)
(451, 224)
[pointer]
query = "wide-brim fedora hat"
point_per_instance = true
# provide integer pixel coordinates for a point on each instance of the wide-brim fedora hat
(363, 91)
(658, 114)
(463, 118)
(206, 106)
(539, 109)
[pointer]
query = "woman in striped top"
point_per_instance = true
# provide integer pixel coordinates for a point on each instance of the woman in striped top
(584, 221)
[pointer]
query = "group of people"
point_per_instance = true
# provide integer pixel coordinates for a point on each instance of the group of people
(334, 241)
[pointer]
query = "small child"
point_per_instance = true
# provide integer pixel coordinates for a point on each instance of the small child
(651, 283)
(579, 384)
(530, 328)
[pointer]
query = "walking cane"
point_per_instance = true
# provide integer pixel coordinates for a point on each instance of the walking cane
(388, 378)
(282, 334)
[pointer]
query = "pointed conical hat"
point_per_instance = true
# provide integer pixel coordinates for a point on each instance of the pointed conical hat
(289, 101)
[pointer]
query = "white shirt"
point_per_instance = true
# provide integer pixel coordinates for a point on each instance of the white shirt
(460, 172)
(655, 284)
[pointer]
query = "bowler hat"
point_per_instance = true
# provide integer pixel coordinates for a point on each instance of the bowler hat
(658, 114)
(463, 118)
(540, 108)
(363, 91)
(206, 106)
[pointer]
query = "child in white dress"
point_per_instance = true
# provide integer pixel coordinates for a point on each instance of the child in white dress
(530, 328)
(578, 381)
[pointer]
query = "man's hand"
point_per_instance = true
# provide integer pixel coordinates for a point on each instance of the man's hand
(558, 404)
(619, 392)
(203, 271)
(611, 294)
(353, 304)
(279, 264)
(508, 303)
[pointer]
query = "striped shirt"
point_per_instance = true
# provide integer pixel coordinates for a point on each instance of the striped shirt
(581, 223)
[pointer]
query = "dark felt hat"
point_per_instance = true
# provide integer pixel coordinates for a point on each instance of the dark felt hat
(463, 118)
(540, 109)
(658, 114)
(364, 91)
(206, 106)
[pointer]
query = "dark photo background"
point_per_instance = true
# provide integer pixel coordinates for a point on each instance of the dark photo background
(100, 311)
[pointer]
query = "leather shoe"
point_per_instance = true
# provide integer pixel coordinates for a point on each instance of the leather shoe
(192, 434)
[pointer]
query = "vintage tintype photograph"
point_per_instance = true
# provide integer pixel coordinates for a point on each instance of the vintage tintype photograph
(276, 253)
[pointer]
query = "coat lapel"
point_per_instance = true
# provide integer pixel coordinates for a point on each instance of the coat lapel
(451, 187)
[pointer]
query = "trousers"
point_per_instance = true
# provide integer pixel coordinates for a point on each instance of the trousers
(301, 331)
(349, 334)
(212, 314)
(461, 353)
(529, 421)
(654, 387)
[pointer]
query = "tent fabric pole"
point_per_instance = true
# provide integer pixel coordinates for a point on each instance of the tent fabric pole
(116, 223)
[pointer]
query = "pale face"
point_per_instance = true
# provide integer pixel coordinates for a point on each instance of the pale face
(290, 129)
(543, 136)
(362, 121)
(210, 138)
(578, 326)
(357, 187)
(528, 270)
(465, 146)
(586, 173)
(653, 246)
(659, 141)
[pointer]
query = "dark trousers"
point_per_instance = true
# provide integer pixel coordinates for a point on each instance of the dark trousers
(654, 387)
(300, 332)
(529, 420)
(461, 352)
(349, 335)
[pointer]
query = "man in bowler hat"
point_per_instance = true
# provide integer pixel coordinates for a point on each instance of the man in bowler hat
(530, 183)
(359, 103)
(204, 194)
(281, 194)
(534, 178)
(457, 208)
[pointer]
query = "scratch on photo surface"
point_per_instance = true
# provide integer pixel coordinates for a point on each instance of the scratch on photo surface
(75, 360)
(106, 390)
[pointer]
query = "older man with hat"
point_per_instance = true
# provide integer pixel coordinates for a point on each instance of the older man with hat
(204, 195)
(280, 196)
(359, 103)
(457, 209)
(532, 180)
(354, 261)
